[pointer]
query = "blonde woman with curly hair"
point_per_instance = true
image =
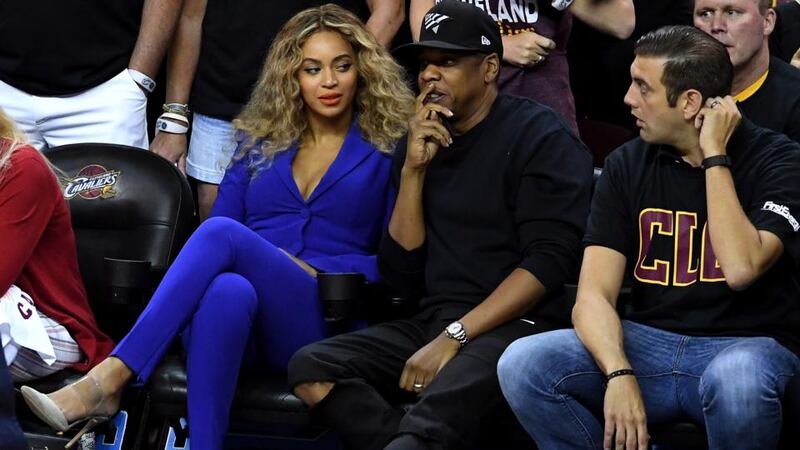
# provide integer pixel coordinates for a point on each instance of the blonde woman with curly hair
(308, 191)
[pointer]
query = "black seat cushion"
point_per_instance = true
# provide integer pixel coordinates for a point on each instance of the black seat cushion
(791, 414)
(260, 396)
(685, 436)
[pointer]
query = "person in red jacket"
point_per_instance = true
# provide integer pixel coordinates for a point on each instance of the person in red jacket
(39, 265)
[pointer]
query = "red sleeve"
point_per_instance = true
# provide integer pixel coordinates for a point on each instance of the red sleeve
(25, 210)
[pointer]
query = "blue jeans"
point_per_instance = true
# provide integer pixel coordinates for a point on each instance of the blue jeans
(733, 386)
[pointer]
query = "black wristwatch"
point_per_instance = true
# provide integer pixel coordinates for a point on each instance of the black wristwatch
(718, 160)
(457, 332)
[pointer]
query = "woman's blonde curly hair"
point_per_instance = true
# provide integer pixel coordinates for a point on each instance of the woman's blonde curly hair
(274, 118)
(10, 140)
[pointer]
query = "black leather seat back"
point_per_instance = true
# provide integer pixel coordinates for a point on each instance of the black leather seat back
(126, 203)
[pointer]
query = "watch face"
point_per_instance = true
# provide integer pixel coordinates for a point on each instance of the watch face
(454, 328)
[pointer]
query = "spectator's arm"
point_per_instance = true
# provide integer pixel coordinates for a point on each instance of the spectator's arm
(158, 23)
(614, 17)
(595, 316)
(512, 298)
(599, 328)
(402, 269)
(743, 250)
(402, 253)
(385, 19)
(185, 51)
(416, 13)
(403, 266)
(25, 211)
(181, 67)
(551, 207)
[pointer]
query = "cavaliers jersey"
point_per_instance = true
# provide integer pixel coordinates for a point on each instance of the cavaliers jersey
(650, 205)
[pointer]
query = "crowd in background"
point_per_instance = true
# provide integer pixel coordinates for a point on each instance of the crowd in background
(206, 85)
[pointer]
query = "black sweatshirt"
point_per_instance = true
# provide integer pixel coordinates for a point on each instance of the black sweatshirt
(512, 192)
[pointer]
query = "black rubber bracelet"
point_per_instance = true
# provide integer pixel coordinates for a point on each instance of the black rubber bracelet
(619, 373)
(718, 160)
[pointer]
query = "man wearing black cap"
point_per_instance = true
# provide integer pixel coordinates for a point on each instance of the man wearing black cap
(493, 195)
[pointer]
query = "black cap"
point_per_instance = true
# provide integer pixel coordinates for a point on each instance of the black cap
(456, 25)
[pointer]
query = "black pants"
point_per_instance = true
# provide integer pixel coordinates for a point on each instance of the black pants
(11, 437)
(450, 413)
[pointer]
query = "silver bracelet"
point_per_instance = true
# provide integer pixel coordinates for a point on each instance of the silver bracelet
(177, 108)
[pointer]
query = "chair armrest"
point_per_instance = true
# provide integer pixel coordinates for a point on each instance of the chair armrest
(338, 294)
(347, 296)
(381, 303)
(128, 282)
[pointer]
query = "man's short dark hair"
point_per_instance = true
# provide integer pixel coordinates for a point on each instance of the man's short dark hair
(694, 60)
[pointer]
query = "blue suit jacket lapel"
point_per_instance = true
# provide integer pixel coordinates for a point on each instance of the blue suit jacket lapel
(283, 166)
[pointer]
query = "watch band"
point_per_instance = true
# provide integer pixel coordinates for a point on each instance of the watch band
(460, 336)
(718, 160)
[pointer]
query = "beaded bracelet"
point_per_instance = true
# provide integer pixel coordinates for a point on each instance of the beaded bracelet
(619, 373)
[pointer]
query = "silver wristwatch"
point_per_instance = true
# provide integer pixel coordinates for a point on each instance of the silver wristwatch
(456, 331)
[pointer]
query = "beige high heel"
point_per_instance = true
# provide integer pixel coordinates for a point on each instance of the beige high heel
(46, 409)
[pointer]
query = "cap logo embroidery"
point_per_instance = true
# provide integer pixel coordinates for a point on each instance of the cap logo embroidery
(485, 40)
(433, 20)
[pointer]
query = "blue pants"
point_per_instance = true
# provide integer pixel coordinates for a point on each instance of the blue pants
(731, 385)
(233, 295)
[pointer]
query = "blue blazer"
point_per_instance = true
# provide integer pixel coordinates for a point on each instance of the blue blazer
(340, 225)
